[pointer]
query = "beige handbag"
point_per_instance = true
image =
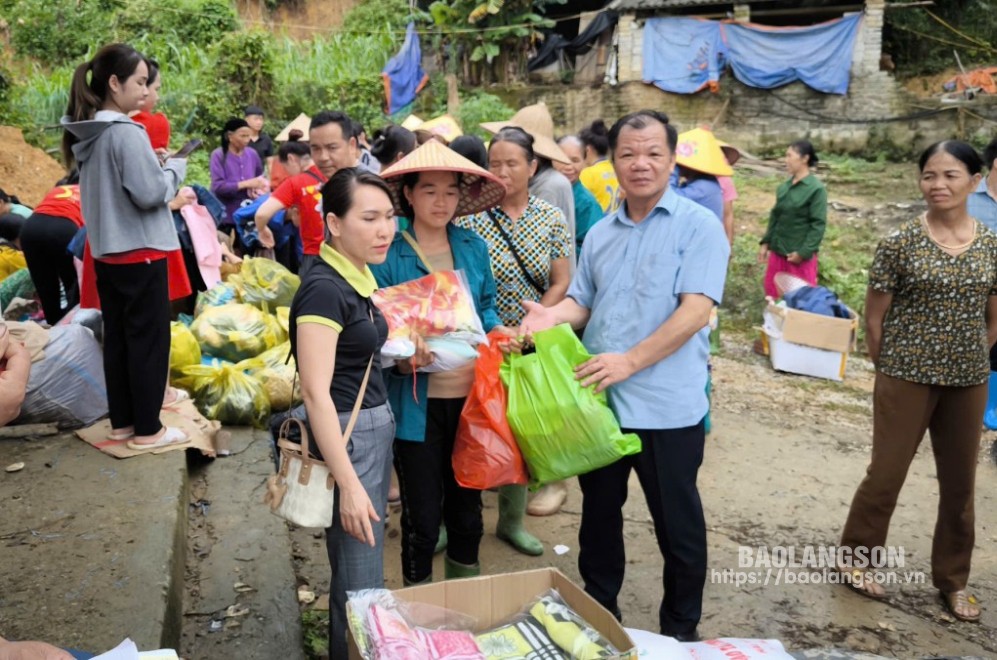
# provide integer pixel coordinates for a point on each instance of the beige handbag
(302, 490)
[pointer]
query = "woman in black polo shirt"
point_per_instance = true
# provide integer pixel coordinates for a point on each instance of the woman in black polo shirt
(336, 337)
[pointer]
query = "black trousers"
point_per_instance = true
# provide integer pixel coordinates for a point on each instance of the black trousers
(44, 239)
(135, 304)
(431, 494)
(993, 358)
(667, 468)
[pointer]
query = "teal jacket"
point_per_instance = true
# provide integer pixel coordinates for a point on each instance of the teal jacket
(470, 254)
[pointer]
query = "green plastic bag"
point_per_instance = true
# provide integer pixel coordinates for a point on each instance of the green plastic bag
(563, 429)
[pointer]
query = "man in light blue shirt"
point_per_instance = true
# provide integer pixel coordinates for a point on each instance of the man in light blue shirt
(648, 276)
(982, 202)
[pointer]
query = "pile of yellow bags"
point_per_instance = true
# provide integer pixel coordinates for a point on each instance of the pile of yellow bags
(233, 359)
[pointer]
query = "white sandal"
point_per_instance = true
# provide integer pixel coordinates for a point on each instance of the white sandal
(179, 397)
(171, 436)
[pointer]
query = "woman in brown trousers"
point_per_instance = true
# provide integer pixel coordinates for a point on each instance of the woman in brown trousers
(931, 318)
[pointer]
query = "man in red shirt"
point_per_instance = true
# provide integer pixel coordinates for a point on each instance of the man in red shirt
(333, 147)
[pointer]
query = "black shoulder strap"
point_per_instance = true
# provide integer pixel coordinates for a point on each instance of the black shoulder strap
(315, 176)
(515, 255)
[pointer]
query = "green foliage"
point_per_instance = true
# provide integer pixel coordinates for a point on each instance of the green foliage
(374, 16)
(743, 293)
(506, 28)
(921, 45)
(246, 61)
(58, 31)
(315, 630)
(478, 107)
(161, 26)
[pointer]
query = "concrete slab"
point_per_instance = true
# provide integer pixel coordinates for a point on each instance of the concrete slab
(92, 546)
(235, 540)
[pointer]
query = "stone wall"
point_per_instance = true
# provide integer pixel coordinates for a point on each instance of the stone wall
(767, 120)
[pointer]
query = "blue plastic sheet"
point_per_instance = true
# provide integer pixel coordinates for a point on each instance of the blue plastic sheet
(403, 75)
(820, 55)
(684, 55)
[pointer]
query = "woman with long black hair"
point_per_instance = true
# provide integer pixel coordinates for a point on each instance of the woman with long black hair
(124, 191)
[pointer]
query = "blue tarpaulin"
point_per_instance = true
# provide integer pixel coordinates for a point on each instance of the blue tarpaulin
(684, 55)
(820, 55)
(403, 75)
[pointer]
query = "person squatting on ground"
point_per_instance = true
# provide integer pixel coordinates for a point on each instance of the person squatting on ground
(530, 249)
(931, 319)
(45, 240)
(433, 186)
(797, 221)
(336, 338)
(666, 256)
(124, 191)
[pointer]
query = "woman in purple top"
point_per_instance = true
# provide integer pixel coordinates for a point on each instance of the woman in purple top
(236, 171)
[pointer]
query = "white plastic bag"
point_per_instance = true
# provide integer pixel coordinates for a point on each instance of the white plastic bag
(67, 387)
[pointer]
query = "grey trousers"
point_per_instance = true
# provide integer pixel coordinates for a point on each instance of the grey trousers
(356, 565)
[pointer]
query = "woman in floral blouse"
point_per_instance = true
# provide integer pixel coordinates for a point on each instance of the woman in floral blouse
(931, 318)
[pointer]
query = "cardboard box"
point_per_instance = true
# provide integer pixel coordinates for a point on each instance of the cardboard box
(809, 344)
(496, 598)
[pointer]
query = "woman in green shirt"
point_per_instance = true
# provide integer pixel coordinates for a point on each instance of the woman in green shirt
(797, 222)
(931, 318)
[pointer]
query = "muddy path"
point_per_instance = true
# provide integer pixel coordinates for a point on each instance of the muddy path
(781, 467)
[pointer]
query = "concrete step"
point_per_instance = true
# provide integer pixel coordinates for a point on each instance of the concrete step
(234, 539)
(92, 547)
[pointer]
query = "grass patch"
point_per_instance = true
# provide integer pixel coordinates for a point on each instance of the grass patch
(315, 632)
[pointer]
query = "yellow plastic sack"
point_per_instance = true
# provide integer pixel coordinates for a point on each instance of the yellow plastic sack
(265, 281)
(235, 332)
(284, 318)
(11, 261)
(273, 369)
(279, 331)
(184, 350)
(278, 381)
(219, 294)
(273, 357)
(226, 394)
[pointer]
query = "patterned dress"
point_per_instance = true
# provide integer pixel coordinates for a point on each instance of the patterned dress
(540, 236)
(935, 332)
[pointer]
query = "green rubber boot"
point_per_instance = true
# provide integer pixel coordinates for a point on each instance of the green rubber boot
(441, 541)
(512, 508)
(453, 570)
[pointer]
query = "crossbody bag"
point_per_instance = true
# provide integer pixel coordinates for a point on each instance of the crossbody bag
(515, 255)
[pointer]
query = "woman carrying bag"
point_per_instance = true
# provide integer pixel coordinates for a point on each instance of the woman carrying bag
(336, 338)
(432, 186)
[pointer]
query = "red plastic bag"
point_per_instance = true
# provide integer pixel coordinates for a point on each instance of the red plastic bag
(485, 452)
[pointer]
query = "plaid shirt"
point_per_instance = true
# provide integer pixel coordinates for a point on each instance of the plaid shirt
(540, 236)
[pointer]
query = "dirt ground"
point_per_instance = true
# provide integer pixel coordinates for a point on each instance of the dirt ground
(26, 171)
(781, 466)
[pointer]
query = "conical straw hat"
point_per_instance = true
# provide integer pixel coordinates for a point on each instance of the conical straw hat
(731, 153)
(700, 150)
(479, 188)
(443, 126)
(302, 122)
(536, 120)
(412, 122)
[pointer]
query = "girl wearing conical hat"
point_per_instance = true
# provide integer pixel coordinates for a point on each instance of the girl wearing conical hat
(431, 186)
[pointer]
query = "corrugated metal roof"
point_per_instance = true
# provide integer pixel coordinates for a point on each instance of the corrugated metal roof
(644, 5)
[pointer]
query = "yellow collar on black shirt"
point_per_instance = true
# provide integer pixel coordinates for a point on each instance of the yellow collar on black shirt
(363, 282)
